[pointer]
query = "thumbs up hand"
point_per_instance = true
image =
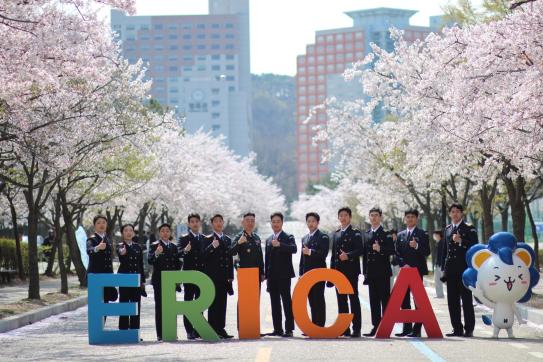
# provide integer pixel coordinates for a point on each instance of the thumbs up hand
(343, 256)
(215, 243)
(376, 247)
(413, 243)
(102, 245)
(188, 248)
(159, 250)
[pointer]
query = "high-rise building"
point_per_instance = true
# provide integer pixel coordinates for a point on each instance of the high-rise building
(199, 64)
(319, 75)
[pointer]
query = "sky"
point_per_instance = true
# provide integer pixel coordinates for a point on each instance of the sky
(281, 29)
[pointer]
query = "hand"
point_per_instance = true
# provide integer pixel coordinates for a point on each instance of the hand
(413, 243)
(306, 250)
(343, 256)
(275, 243)
(456, 238)
(188, 248)
(102, 245)
(158, 250)
(215, 243)
(376, 247)
(122, 250)
(242, 240)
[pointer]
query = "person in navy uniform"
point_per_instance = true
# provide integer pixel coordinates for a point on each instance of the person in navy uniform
(162, 256)
(378, 247)
(315, 246)
(190, 248)
(248, 246)
(131, 262)
(218, 265)
(346, 251)
(279, 271)
(412, 248)
(459, 237)
(100, 251)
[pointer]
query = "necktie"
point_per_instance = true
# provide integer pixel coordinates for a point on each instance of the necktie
(409, 233)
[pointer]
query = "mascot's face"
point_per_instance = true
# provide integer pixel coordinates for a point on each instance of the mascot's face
(503, 282)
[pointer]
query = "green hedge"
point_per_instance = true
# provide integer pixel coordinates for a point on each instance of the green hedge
(8, 255)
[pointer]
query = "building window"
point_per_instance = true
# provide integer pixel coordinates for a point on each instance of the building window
(215, 103)
(187, 58)
(230, 67)
(198, 107)
(201, 36)
(215, 46)
(144, 27)
(187, 36)
(201, 26)
(231, 89)
(172, 26)
(201, 68)
(229, 46)
(172, 36)
(187, 26)
(187, 47)
(229, 36)
(130, 27)
(158, 27)
(215, 127)
(229, 26)
(215, 36)
(215, 91)
(216, 67)
(330, 38)
(230, 78)
(229, 57)
(187, 69)
(215, 115)
(173, 68)
(215, 26)
(158, 37)
(172, 58)
(173, 47)
(201, 47)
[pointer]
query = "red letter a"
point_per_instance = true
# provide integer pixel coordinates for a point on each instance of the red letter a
(409, 278)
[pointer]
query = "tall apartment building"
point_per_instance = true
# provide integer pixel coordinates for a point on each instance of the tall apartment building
(199, 64)
(319, 74)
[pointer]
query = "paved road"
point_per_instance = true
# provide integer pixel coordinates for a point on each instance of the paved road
(64, 337)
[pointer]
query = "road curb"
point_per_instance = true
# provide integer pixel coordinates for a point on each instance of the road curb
(532, 315)
(34, 316)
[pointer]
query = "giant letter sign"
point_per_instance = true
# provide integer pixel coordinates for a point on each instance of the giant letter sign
(299, 303)
(192, 309)
(409, 279)
(249, 303)
(97, 309)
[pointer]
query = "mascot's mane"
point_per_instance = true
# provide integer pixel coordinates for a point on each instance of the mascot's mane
(502, 244)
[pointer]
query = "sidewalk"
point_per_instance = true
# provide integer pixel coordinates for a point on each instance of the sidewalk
(14, 293)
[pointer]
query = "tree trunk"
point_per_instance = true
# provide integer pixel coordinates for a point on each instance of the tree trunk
(487, 194)
(58, 239)
(33, 269)
(534, 230)
(72, 242)
(20, 266)
(515, 189)
(505, 218)
(141, 222)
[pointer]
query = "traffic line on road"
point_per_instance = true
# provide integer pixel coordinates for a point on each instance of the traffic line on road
(263, 354)
(536, 354)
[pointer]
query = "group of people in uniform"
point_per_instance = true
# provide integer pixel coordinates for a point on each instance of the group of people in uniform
(353, 253)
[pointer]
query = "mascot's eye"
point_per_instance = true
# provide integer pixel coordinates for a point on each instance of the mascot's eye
(520, 276)
(497, 278)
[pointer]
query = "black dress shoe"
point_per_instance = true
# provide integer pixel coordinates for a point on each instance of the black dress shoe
(455, 334)
(288, 334)
(468, 334)
(403, 334)
(414, 335)
(276, 333)
(372, 333)
(347, 333)
(355, 334)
